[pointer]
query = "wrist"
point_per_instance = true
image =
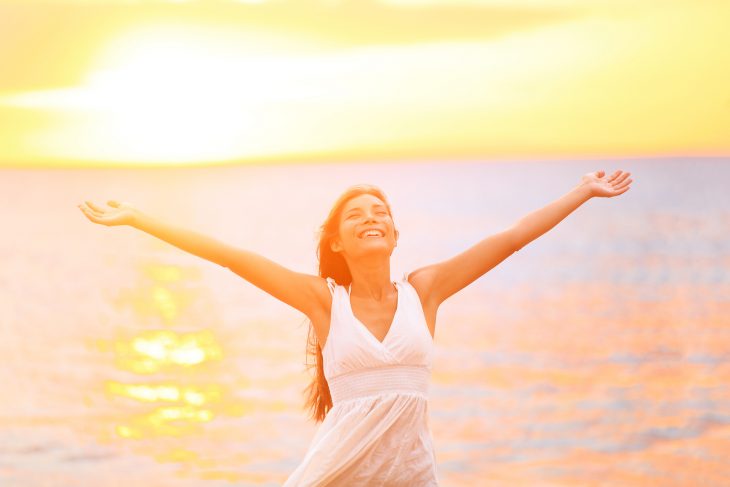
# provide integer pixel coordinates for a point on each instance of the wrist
(584, 190)
(135, 219)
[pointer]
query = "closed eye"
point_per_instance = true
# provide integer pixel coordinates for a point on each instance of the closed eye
(379, 213)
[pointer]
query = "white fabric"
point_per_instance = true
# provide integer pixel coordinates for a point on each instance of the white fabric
(377, 432)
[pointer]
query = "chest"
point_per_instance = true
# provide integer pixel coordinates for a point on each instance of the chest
(377, 317)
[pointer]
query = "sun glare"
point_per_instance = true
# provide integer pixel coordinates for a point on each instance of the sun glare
(172, 95)
(194, 92)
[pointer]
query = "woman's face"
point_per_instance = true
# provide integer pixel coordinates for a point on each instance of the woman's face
(365, 227)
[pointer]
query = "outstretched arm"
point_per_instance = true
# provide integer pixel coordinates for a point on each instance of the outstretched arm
(301, 291)
(439, 281)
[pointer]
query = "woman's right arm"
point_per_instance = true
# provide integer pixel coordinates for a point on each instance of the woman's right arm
(305, 292)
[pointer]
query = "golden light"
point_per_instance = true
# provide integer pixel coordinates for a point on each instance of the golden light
(164, 421)
(173, 94)
(165, 302)
(193, 396)
(530, 78)
(166, 297)
(169, 347)
(154, 351)
(168, 273)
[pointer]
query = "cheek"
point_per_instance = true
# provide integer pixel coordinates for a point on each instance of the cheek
(346, 231)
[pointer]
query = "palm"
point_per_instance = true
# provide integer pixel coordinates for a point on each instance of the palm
(118, 214)
(607, 186)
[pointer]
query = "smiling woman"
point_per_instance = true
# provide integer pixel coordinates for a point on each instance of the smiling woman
(371, 337)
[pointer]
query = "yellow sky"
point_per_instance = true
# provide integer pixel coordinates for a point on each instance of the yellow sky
(140, 82)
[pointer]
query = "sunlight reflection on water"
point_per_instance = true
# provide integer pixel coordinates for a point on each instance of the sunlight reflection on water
(600, 351)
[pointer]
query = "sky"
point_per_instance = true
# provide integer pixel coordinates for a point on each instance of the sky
(100, 82)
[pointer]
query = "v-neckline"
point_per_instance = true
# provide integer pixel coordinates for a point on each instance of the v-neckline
(392, 321)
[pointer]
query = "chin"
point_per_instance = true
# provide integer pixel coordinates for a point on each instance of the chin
(375, 249)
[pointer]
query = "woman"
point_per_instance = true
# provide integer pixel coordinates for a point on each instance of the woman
(371, 338)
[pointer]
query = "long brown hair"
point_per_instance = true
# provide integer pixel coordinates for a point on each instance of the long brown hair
(331, 264)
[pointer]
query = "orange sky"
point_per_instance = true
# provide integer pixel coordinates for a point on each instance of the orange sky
(159, 82)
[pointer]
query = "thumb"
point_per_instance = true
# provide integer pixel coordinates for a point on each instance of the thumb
(113, 203)
(600, 174)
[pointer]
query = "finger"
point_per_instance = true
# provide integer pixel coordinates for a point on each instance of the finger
(617, 178)
(85, 206)
(621, 179)
(103, 220)
(623, 185)
(113, 203)
(614, 176)
(95, 208)
(88, 213)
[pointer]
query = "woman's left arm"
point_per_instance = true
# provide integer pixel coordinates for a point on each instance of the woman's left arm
(439, 281)
(537, 223)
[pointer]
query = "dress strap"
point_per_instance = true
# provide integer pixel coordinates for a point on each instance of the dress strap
(331, 284)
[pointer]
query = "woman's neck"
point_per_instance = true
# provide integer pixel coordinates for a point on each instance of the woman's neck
(371, 282)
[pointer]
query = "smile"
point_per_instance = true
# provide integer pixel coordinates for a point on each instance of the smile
(372, 232)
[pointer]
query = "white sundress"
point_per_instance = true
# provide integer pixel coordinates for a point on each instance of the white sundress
(377, 432)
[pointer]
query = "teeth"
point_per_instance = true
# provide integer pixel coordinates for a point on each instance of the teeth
(371, 233)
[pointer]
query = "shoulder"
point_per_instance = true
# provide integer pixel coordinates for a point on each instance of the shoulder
(322, 289)
(422, 280)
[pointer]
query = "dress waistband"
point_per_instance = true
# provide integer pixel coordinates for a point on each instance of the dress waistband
(380, 380)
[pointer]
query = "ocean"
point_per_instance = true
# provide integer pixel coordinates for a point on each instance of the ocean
(599, 354)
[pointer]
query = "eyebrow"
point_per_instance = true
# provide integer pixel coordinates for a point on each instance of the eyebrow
(377, 205)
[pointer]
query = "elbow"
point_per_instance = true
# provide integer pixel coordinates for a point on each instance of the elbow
(517, 238)
(226, 256)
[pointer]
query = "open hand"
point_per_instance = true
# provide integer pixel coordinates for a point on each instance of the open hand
(606, 186)
(119, 214)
